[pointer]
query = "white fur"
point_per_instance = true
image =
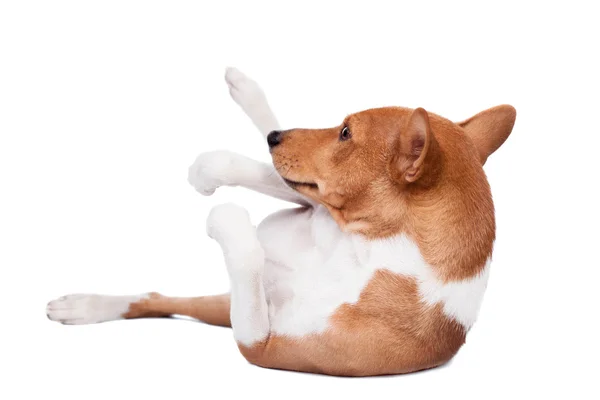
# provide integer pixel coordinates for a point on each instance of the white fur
(311, 267)
(461, 299)
(214, 169)
(225, 168)
(314, 268)
(79, 309)
(230, 226)
(290, 274)
(250, 97)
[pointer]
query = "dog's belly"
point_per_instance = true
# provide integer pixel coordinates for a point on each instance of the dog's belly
(312, 268)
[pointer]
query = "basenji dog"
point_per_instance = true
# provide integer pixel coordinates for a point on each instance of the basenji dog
(382, 268)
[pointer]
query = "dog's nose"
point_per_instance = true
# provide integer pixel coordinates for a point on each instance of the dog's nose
(274, 138)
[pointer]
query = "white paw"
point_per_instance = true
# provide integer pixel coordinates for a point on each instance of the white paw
(230, 225)
(252, 100)
(227, 221)
(245, 91)
(210, 171)
(80, 309)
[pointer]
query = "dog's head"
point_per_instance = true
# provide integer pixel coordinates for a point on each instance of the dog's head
(379, 167)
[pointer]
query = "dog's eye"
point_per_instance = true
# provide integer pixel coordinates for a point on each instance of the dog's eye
(345, 134)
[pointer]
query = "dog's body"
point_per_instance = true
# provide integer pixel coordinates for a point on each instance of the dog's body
(381, 271)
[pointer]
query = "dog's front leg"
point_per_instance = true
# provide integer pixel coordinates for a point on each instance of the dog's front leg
(251, 98)
(230, 226)
(224, 168)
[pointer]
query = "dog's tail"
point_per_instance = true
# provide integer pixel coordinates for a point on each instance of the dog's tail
(251, 98)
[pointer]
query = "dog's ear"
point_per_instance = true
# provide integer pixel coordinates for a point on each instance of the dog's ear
(414, 145)
(490, 128)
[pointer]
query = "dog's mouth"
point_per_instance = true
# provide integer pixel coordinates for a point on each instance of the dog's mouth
(297, 184)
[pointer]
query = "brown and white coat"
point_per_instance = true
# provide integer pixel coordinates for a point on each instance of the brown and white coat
(383, 268)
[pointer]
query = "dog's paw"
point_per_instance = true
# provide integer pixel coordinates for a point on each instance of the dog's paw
(210, 171)
(80, 309)
(226, 221)
(245, 92)
(250, 97)
(230, 225)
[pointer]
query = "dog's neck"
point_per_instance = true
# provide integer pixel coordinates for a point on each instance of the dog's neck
(455, 233)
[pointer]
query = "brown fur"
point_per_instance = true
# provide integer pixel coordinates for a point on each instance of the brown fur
(448, 210)
(213, 310)
(388, 331)
(489, 129)
(402, 171)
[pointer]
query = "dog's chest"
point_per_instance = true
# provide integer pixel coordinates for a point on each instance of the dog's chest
(312, 268)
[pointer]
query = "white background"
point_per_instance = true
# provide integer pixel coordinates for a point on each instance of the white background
(103, 105)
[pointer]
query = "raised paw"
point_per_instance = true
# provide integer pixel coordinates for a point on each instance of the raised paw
(230, 225)
(250, 97)
(244, 90)
(210, 171)
(227, 221)
(80, 309)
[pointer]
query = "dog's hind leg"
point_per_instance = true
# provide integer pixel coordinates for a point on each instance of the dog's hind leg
(79, 309)
(230, 226)
(251, 98)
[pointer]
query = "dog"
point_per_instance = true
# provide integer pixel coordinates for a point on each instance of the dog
(382, 268)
